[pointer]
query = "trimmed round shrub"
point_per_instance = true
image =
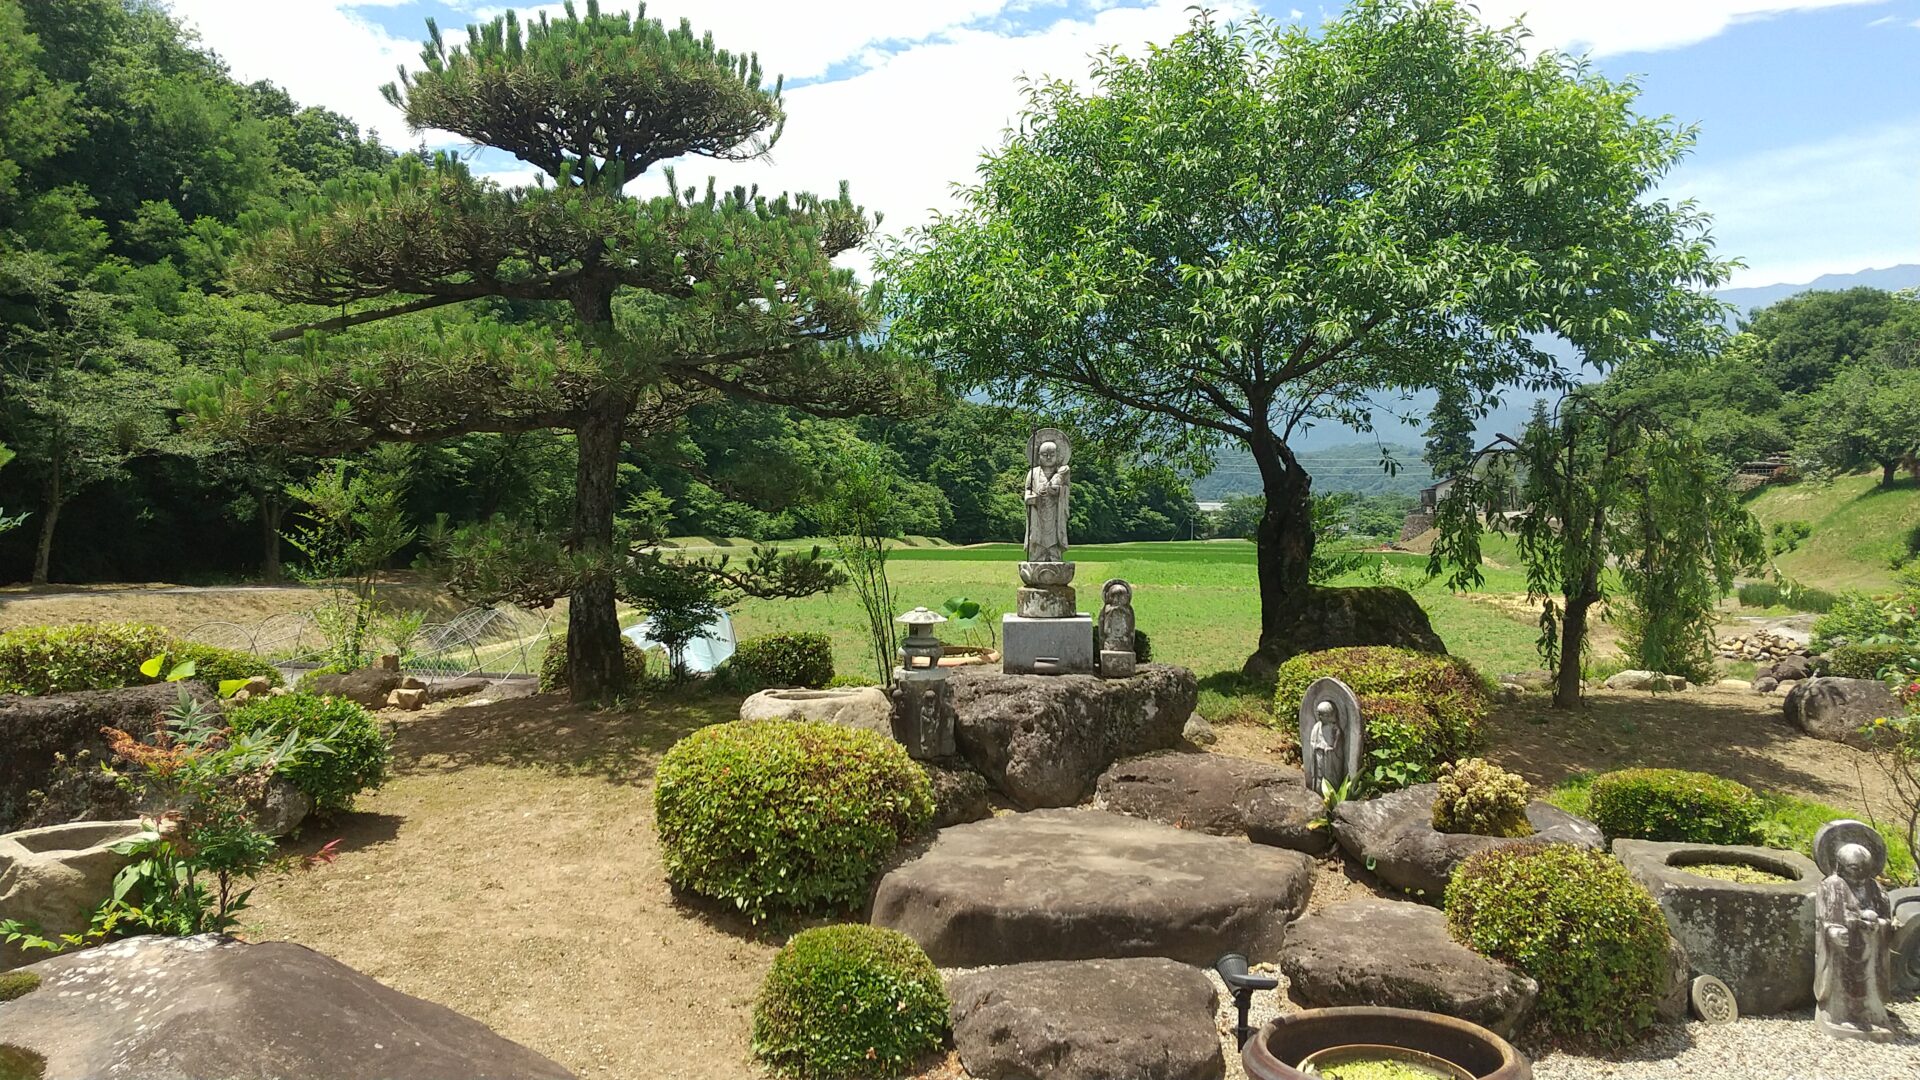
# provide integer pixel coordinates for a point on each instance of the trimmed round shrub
(360, 750)
(1422, 709)
(784, 660)
(1477, 796)
(1674, 805)
(1577, 923)
(785, 816)
(107, 656)
(1867, 661)
(849, 1001)
(553, 666)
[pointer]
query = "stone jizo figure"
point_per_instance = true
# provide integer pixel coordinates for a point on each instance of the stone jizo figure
(1853, 928)
(1048, 479)
(1117, 658)
(1332, 735)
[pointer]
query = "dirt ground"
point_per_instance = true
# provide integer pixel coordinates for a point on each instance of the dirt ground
(510, 869)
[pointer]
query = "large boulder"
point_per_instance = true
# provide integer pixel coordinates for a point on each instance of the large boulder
(54, 877)
(1084, 884)
(367, 687)
(37, 732)
(854, 706)
(1043, 740)
(1087, 1020)
(161, 1008)
(1222, 795)
(1394, 836)
(1332, 618)
(1838, 709)
(1644, 680)
(1794, 668)
(1757, 938)
(960, 795)
(1399, 954)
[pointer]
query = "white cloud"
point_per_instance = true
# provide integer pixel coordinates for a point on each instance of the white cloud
(1830, 206)
(1604, 27)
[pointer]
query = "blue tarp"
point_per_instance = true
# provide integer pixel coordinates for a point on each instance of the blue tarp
(704, 653)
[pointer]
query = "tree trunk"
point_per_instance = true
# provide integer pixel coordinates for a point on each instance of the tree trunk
(43, 554)
(594, 663)
(1283, 540)
(271, 510)
(1573, 639)
(1888, 469)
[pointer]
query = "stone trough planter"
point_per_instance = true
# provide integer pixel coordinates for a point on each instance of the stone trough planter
(1756, 938)
(54, 877)
(1279, 1049)
(854, 706)
(1394, 836)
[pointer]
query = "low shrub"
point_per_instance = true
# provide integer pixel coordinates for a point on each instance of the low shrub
(785, 816)
(840, 681)
(107, 656)
(1477, 796)
(1758, 594)
(1854, 618)
(553, 666)
(217, 665)
(357, 750)
(1577, 923)
(1867, 661)
(849, 1001)
(1674, 805)
(1421, 709)
(799, 659)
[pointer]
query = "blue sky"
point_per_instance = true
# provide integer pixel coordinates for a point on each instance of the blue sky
(1809, 110)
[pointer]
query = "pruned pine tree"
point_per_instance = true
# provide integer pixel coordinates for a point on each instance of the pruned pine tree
(647, 306)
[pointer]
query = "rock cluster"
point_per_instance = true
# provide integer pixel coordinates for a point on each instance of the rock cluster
(1763, 647)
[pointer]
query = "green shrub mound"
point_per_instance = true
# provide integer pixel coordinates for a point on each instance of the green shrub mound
(1867, 661)
(1855, 618)
(1422, 709)
(849, 1001)
(1575, 921)
(784, 660)
(107, 656)
(1477, 796)
(784, 816)
(1674, 805)
(553, 666)
(359, 751)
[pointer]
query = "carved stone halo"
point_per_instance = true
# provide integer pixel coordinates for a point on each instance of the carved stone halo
(1713, 1001)
(1835, 835)
(1045, 435)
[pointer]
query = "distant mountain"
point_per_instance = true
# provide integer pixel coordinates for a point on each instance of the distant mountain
(1351, 467)
(1903, 276)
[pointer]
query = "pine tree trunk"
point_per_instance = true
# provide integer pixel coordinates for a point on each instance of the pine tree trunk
(43, 554)
(594, 663)
(1283, 541)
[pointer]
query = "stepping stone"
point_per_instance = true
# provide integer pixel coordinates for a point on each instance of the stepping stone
(1394, 837)
(1222, 795)
(1087, 1020)
(1084, 884)
(1399, 954)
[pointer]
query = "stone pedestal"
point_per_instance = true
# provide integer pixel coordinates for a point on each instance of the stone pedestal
(1046, 646)
(1047, 602)
(1116, 663)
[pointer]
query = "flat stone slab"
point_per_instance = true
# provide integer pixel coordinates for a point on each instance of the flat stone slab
(162, 1008)
(1219, 794)
(1398, 954)
(1394, 837)
(1085, 884)
(1044, 740)
(1146, 1017)
(1756, 938)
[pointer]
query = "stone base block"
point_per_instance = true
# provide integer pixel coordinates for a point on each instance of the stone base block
(1054, 646)
(1116, 663)
(1046, 602)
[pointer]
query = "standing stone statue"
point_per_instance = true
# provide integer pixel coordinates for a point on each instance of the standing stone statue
(1333, 735)
(1117, 659)
(1048, 478)
(1853, 928)
(1047, 634)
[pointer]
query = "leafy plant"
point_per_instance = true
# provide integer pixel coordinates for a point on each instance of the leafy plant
(347, 752)
(785, 816)
(1872, 661)
(1674, 805)
(1577, 923)
(797, 659)
(849, 1001)
(862, 512)
(1785, 536)
(972, 618)
(1420, 709)
(1477, 796)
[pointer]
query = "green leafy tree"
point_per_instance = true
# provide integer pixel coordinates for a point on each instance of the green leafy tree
(1808, 338)
(1603, 482)
(1259, 227)
(1868, 415)
(647, 307)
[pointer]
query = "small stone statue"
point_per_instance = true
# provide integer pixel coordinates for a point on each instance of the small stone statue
(1853, 927)
(1117, 659)
(1048, 478)
(1332, 735)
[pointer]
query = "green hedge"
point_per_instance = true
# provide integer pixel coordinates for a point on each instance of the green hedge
(359, 755)
(849, 1001)
(1477, 796)
(784, 660)
(1674, 805)
(782, 816)
(107, 656)
(553, 666)
(1867, 661)
(1422, 709)
(1577, 923)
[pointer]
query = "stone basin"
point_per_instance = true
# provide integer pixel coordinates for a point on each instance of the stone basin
(1276, 1051)
(53, 877)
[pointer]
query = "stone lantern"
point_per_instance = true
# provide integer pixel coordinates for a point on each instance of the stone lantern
(922, 720)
